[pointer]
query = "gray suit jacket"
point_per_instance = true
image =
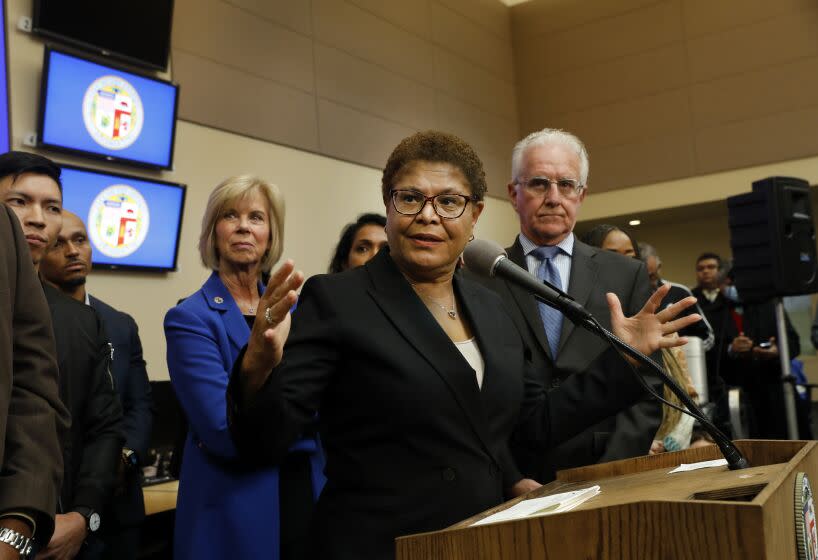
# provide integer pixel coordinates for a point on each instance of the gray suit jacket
(594, 272)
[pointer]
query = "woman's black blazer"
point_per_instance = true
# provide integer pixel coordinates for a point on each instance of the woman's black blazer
(412, 443)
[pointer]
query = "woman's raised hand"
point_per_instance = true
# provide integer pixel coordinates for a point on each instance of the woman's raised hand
(648, 331)
(271, 327)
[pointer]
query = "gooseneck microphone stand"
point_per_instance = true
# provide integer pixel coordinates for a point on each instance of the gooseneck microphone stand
(582, 318)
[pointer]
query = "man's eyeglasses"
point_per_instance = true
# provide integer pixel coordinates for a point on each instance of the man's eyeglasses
(447, 205)
(538, 186)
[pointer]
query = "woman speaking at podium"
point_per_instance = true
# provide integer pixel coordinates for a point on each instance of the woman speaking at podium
(417, 373)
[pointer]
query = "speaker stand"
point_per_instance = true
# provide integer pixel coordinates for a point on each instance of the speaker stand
(786, 373)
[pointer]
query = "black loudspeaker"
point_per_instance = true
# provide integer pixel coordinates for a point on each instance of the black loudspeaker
(772, 235)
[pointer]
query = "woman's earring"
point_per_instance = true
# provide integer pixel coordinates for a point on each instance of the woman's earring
(471, 238)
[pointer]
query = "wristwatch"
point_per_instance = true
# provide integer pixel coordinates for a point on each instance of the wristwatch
(17, 541)
(129, 458)
(91, 518)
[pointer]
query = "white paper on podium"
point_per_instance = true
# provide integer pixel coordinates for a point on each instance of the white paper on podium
(684, 467)
(556, 503)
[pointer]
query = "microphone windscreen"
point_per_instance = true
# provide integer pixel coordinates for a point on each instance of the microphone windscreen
(481, 255)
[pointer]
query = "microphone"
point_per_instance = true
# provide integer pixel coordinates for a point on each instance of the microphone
(486, 258)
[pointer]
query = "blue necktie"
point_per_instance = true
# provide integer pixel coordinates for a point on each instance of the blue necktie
(551, 318)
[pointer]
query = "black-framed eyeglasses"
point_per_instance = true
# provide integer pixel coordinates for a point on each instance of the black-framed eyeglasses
(538, 186)
(447, 205)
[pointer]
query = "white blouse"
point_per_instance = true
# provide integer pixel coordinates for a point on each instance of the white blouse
(472, 354)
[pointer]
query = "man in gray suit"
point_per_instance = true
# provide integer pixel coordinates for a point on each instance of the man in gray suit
(548, 185)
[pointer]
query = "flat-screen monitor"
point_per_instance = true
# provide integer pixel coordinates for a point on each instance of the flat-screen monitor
(5, 136)
(133, 223)
(100, 111)
(135, 32)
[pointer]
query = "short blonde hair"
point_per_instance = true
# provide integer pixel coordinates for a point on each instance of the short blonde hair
(229, 191)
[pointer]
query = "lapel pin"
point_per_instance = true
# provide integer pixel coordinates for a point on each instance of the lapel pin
(218, 299)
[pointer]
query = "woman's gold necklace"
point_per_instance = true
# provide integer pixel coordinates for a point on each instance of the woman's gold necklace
(450, 311)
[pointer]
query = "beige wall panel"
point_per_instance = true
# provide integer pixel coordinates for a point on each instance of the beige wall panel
(222, 97)
(636, 31)
(498, 222)
(471, 41)
(362, 85)
(768, 139)
(767, 91)
(358, 32)
(234, 37)
(470, 83)
(414, 16)
(773, 41)
(355, 136)
(697, 189)
(649, 160)
(538, 16)
(629, 121)
(491, 137)
(489, 14)
(706, 16)
(498, 172)
(532, 109)
(629, 77)
(295, 15)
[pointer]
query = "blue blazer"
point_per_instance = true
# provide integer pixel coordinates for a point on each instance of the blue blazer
(225, 508)
(134, 390)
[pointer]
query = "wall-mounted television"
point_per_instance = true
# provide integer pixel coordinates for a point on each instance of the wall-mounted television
(104, 112)
(134, 32)
(133, 223)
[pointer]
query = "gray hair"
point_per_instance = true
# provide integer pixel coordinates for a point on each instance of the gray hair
(550, 136)
(229, 191)
(647, 250)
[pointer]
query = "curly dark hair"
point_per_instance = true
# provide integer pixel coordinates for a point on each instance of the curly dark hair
(440, 147)
(339, 259)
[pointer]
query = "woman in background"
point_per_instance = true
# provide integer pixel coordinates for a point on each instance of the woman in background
(360, 241)
(676, 428)
(226, 508)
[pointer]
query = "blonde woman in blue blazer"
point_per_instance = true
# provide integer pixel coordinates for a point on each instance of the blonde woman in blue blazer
(226, 507)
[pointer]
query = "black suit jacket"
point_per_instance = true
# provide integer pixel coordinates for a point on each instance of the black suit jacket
(719, 368)
(92, 452)
(412, 443)
(134, 390)
(33, 420)
(761, 379)
(593, 273)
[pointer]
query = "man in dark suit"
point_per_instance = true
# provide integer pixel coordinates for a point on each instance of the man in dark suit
(721, 315)
(549, 184)
(32, 417)
(66, 265)
(678, 292)
(29, 185)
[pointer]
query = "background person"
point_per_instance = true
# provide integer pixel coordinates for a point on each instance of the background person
(677, 292)
(676, 429)
(31, 412)
(30, 186)
(417, 373)
(66, 265)
(227, 508)
(360, 241)
(549, 182)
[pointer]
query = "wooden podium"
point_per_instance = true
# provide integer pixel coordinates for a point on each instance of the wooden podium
(644, 513)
